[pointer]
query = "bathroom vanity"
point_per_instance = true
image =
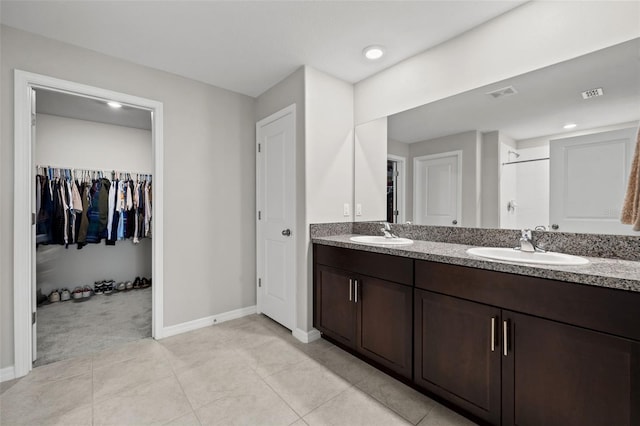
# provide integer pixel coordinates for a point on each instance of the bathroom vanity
(507, 344)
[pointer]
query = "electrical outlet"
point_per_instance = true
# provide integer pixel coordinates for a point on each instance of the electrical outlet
(345, 209)
(358, 209)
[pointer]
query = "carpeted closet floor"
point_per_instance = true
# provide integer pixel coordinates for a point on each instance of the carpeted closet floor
(71, 328)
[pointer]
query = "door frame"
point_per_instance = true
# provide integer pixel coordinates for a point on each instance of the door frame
(291, 109)
(416, 160)
(401, 182)
(24, 241)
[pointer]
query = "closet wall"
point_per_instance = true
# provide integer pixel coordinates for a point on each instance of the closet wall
(72, 143)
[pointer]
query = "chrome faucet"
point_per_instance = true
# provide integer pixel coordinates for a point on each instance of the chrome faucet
(527, 244)
(386, 230)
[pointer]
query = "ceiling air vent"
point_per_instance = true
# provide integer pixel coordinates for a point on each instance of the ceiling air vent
(505, 91)
(592, 93)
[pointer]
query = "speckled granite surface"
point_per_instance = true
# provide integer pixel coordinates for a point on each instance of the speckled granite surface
(590, 245)
(602, 272)
(327, 229)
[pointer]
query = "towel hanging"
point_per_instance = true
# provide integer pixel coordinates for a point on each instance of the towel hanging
(631, 206)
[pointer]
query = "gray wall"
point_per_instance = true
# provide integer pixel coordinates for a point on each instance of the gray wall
(209, 177)
(490, 189)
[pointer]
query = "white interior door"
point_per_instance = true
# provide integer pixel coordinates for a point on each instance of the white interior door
(276, 234)
(437, 189)
(588, 180)
(34, 301)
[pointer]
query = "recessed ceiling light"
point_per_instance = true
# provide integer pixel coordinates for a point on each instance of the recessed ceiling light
(373, 52)
(569, 126)
(113, 104)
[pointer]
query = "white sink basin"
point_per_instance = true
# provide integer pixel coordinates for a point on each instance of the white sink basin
(511, 255)
(380, 240)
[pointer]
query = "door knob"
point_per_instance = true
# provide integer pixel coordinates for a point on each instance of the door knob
(455, 222)
(555, 226)
(286, 232)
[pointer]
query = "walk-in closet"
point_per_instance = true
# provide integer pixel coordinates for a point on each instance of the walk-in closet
(93, 192)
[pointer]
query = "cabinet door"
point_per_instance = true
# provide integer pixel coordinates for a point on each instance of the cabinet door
(384, 323)
(455, 356)
(557, 374)
(335, 313)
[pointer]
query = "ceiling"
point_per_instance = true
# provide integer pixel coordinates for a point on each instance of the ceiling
(248, 46)
(78, 107)
(546, 100)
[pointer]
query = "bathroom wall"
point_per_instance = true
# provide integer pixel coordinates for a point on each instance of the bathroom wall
(209, 177)
(71, 143)
(370, 158)
(490, 183)
(531, 36)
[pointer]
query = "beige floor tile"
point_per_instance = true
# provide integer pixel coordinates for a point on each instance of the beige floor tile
(442, 416)
(272, 357)
(299, 422)
(114, 379)
(189, 355)
(251, 335)
(153, 403)
(407, 402)
(189, 419)
(6, 385)
(145, 348)
(256, 405)
(61, 370)
(79, 416)
(344, 364)
(353, 407)
(30, 402)
(306, 386)
(216, 379)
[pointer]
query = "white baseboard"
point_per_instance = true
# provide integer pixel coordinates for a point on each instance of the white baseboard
(306, 336)
(206, 322)
(7, 373)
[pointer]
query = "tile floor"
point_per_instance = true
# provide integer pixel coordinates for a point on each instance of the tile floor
(248, 371)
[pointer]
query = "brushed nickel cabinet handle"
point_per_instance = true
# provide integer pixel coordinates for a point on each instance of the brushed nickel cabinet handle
(355, 282)
(350, 289)
(505, 336)
(493, 334)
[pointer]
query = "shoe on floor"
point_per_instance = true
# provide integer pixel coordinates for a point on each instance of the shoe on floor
(121, 286)
(128, 285)
(98, 288)
(65, 294)
(107, 288)
(144, 283)
(54, 296)
(86, 291)
(77, 293)
(136, 282)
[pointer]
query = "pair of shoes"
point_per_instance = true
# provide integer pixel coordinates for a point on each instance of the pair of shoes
(86, 291)
(65, 295)
(121, 286)
(103, 287)
(145, 283)
(54, 296)
(77, 293)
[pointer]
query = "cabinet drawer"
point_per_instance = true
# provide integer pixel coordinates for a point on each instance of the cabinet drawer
(383, 266)
(597, 308)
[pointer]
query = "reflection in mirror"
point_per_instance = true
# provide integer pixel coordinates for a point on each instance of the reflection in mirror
(549, 148)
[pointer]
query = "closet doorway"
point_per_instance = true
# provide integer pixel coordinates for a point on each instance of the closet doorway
(45, 108)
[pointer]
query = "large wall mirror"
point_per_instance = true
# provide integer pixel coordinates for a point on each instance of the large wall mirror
(550, 148)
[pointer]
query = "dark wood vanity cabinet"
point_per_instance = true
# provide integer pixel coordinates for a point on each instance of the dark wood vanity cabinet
(507, 349)
(367, 308)
(515, 368)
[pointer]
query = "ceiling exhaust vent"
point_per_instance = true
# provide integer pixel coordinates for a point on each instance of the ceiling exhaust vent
(505, 91)
(592, 93)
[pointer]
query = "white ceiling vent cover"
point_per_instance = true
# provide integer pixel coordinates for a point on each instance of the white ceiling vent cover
(592, 93)
(505, 91)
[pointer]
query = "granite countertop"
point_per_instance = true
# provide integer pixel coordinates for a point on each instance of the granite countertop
(601, 272)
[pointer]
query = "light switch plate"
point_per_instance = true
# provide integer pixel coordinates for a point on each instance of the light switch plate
(345, 209)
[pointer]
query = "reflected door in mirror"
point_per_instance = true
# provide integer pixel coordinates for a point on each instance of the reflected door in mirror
(437, 189)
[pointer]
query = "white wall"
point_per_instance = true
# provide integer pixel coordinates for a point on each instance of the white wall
(529, 37)
(71, 143)
(468, 143)
(490, 181)
(398, 148)
(370, 177)
(209, 177)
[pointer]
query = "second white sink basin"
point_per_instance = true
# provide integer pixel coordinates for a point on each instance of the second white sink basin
(379, 240)
(511, 255)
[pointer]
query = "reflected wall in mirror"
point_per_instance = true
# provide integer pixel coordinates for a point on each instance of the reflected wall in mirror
(506, 155)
